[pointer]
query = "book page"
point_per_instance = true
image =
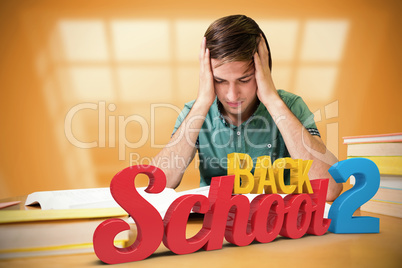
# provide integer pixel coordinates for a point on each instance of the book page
(93, 198)
(69, 199)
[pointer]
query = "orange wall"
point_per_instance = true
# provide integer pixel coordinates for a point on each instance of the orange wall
(121, 58)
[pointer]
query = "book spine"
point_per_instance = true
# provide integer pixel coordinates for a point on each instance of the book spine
(388, 195)
(375, 149)
(53, 250)
(390, 165)
(382, 207)
(393, 137)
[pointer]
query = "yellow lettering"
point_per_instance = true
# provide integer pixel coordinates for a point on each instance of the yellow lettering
(269, 178)
(304, 185)
(264, 176)
(279, 166)
(240, 165)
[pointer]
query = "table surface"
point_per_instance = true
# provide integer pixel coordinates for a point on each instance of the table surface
(329, 250)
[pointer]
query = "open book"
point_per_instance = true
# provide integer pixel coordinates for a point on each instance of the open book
(101, 198)
(94, 198)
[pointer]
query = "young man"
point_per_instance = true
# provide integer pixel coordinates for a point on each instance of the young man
(238, 109)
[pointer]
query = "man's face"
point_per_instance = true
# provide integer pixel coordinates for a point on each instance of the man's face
(236, 89)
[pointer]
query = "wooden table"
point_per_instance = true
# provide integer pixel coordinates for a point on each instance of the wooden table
(330, 250)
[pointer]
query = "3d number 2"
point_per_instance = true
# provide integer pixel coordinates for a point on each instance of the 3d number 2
(367, 183)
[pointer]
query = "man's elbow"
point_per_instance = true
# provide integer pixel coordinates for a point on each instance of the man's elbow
(334, 190)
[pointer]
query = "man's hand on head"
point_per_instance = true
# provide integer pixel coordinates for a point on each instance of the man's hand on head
(206, 91)
(266, 90)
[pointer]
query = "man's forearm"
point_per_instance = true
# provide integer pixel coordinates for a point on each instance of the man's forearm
(180, 150)
(302, 145)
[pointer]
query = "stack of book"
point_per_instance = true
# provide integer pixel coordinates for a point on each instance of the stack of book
(64, 222)
(386, 152)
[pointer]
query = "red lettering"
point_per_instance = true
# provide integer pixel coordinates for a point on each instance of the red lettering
(238, 227)
(175, 222)
(298, 214)
(219, 196)
(226, 216)
(318, 225)
(268, 217)
(147, 218)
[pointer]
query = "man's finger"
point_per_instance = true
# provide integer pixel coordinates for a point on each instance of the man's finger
(257, 63)
(263, 52)
(207, 62)
(202, 54)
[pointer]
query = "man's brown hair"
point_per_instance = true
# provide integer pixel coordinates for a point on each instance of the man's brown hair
(234, 38)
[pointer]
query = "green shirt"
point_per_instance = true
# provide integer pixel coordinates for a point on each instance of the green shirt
(256, 137)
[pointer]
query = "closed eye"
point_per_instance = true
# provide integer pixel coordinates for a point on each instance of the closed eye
(245, 81)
